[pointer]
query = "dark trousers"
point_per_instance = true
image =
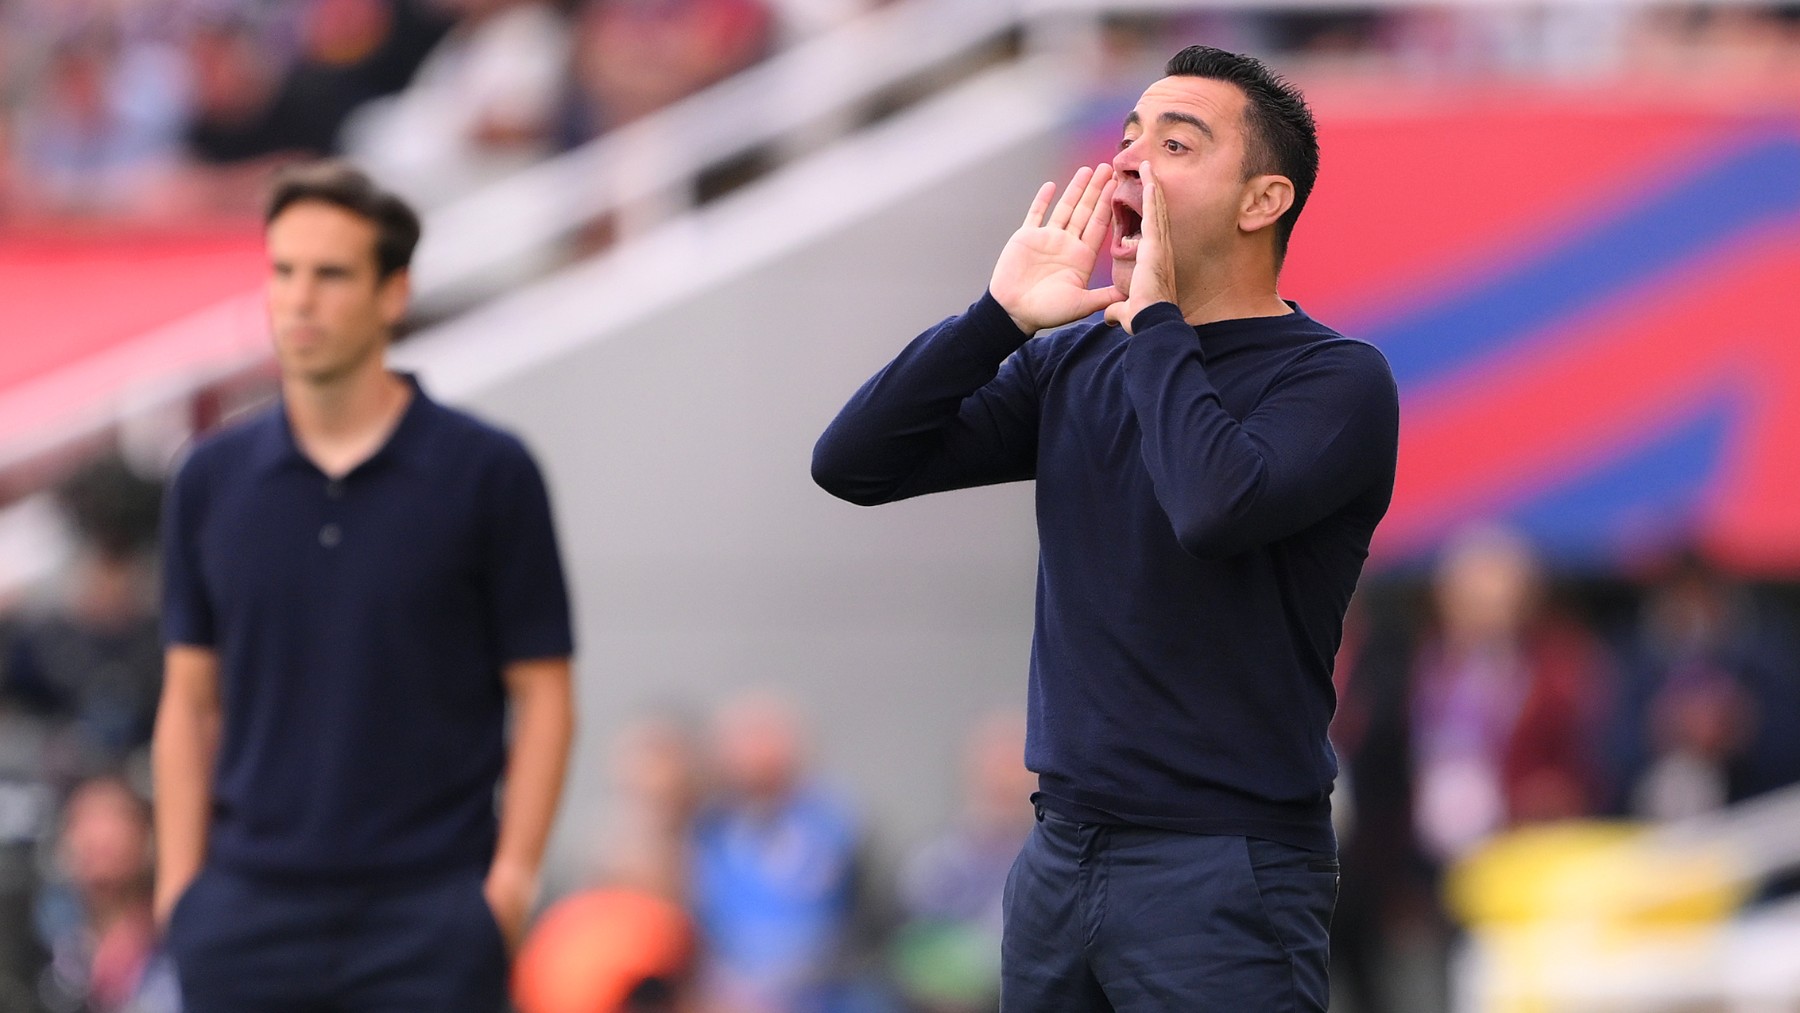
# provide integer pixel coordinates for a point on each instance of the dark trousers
(1134, 919)
(244, 944)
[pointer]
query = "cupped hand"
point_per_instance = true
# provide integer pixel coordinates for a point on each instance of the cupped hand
(1041, 279)
(1153, 277)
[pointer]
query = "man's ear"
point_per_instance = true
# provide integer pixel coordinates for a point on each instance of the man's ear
(395, 293)
(1266, 199)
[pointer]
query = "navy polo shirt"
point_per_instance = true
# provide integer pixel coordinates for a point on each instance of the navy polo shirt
(362, 625)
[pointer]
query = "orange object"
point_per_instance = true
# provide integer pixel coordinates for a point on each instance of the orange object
(591, 949)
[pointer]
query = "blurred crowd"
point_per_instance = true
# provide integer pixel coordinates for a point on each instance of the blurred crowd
(176, 110)
(1541, 41)
(1495, 696)
(736, 874)
(80, 671)
(1485, 694)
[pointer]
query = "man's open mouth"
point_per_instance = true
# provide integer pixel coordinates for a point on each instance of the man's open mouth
(1128, 228)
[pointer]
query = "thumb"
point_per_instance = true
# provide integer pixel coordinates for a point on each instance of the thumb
(1100, 298)
(1119, 315)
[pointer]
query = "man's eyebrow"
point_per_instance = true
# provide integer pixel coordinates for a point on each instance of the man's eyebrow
(1132, 119)
(1191, 120)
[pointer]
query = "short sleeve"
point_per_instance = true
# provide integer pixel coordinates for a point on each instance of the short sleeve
(527, 597)
(187, 613)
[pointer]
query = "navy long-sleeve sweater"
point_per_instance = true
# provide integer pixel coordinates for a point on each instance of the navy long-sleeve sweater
(1205, 499)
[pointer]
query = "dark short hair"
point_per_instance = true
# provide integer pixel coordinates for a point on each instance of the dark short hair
(344, 185)
(1281, 137)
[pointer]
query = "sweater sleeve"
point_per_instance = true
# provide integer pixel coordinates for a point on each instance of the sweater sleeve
(1325, 430)
(957, 408)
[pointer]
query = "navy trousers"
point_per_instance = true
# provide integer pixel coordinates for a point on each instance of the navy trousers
(244, 944)
(1134, 919)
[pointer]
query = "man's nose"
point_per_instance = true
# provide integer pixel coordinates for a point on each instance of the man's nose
(295, 298)
(305, 293)
(1126, 162)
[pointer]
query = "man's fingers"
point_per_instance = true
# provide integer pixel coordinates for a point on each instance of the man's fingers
(1153, 248)
(1156, 210)
(1100, 217)
(1153, 204)
(1154, 278)
(1039, 205)
(1065, 208)
(1092, 196)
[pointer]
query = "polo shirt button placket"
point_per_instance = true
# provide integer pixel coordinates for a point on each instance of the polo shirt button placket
(332, 533)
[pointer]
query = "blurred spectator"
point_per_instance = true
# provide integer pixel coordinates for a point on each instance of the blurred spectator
(95, 916)
(245, 104)
(1724, 42)
(659, 779)
(98, 128)
(91, 667)
(358, 50)
(1709, 712)
(1461, 715)
(633, 57)
(774, 870)
(255, 108)
(26, 812)
(1344, 31)
(12, 80)
(628, 944)
(249, 115)
(482, 106)
(948, 951)
(1388, 914)
(1507, 701)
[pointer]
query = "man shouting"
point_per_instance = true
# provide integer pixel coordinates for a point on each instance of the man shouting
(1211, 463)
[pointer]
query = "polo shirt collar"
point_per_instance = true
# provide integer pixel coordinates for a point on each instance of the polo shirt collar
(407, 445)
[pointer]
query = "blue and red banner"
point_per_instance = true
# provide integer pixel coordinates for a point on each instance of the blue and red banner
(1591, 301)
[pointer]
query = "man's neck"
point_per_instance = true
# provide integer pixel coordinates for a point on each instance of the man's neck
(1232, 291)
(341, 422)
(1233, 306)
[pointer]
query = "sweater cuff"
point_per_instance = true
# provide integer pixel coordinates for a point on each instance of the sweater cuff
(1156, 313)
(988, 330)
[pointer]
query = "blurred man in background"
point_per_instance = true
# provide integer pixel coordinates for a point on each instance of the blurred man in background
(627, 943)
(1211, 464)
(947, 954)
(633, 57)
(1708, 709)
(1508, 701)
(660, 781)
(775, 865)
(98, 128)
(96, 915)
(88, 669)
(361, 584)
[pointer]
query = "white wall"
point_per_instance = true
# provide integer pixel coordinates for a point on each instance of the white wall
(704, 559)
